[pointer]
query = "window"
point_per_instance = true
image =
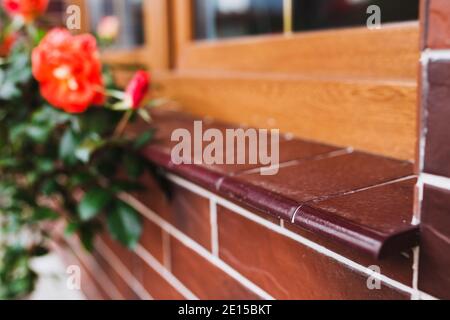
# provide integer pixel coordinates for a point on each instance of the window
(130, 15)
(235, 61)
(231, 18)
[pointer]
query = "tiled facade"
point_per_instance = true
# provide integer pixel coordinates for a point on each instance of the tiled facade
(330, 215)
(434, 152)
(256, 257)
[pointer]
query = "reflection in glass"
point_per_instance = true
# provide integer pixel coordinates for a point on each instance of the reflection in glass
(130, 15)
(323, 14)
(231, 18)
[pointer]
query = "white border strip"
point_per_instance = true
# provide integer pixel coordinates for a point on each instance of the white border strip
(435, 55)
(435, 181)
(214, 227)
(294, 236)
(122, 270)
(164, 273)
(149, 214)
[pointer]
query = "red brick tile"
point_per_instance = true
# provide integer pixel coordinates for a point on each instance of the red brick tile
(152, 239)
(398, 267)
(116, 278)
(285, 268)
(125, 255)
(156, 285)
(438, 33)
(185, 210)
(437, 148)
(434, 264)
(204, 279)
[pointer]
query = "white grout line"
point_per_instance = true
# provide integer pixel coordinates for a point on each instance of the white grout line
(415, 294)
(426, 296)
(294, 236)
(101, 277)
(435, 181)
(164, 273)
(188, 242)
(433, 55)
(423, 111)
(166, 250)
(214, 227)
(123, 271)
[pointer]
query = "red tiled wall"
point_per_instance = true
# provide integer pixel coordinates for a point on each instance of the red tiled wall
(195, 248)
(434, 192)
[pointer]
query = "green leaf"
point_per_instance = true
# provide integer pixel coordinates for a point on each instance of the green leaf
(44, 213)
(89, 145)
(71, 228)
(93, 202)
(124, 224)
(67, 147)
(133, 166)
(143, 139)
(38, 133)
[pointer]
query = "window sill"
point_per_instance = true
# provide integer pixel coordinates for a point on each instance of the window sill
(359, 200)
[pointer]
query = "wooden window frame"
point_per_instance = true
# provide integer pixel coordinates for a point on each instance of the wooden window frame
(349, 87)
(318, 53)
(154, 53)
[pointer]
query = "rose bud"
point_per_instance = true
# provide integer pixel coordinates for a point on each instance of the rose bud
(28, 10)
(137, 89)
(108, 28)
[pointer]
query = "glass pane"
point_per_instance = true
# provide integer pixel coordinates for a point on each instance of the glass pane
(232, 18)
(323, 14)
(130, 16)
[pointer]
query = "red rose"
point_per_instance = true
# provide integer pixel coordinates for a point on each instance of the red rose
(137, 89)
(7, 44)
(68, 70)
(27, 9)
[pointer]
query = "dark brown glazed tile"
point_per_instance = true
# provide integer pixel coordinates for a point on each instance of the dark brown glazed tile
(437, 149)
(377, 220)
(311, 172)
(204, 279)
(167, 122)
(434, 264)
(438, 33)
(309, 180)
(156, 285)
(285, 268)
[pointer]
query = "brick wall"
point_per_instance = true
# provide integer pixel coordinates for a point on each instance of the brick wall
(198, 245)
(434, 187)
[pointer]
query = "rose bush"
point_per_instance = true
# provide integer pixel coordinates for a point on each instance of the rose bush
(62, 134)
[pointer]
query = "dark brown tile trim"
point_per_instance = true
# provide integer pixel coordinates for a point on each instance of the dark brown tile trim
(369, 238)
